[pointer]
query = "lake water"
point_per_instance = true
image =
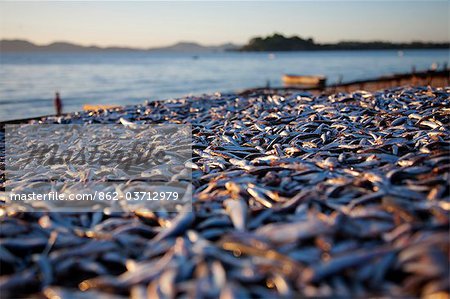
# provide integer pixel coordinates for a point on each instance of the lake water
(28, 81)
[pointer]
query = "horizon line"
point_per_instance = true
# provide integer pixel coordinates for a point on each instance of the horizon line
(212, 45)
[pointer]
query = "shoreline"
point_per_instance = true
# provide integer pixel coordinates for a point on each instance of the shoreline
(422, 78)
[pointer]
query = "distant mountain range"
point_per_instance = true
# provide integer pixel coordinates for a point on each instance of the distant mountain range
(17, 45)
(271, 43)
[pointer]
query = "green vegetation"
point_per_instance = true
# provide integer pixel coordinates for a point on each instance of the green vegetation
(278, 42)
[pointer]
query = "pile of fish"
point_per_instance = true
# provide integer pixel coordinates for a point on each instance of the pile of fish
(294, 195)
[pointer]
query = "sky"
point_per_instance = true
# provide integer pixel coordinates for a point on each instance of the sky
(152, 24)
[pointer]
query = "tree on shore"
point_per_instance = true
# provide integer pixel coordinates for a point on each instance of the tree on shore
(278, 42)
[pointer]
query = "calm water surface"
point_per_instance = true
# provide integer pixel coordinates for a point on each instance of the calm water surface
(28, 81)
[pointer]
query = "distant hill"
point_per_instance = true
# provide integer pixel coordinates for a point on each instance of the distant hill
(194, 47)
(26, 46)
(278, 42)
(272, 43)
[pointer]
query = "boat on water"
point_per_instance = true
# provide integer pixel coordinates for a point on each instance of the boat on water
(304, 81)
(96, 107)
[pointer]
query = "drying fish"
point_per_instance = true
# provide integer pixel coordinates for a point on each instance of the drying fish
(293, 195)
